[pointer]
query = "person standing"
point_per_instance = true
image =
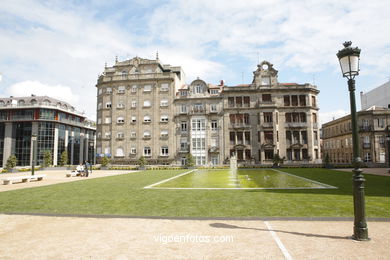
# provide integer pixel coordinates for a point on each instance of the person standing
(86, 166)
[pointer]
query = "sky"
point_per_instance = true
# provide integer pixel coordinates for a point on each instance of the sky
(58, 48)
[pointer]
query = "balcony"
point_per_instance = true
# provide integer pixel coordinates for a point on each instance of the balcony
(198, 111)
(365, 128)
(164, 136)
(239, 125)
(296, 124)
(267, 124)
(147, 137)
(213, 149)
(366, 145)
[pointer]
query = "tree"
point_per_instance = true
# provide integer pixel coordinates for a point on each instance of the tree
(190, 160)
(105, 161)
(327, 161)
(277, 160)
(11, 162)
(141, 161)
(64, 158)
(47, 159)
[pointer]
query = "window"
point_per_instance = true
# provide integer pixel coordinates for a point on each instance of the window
(381, 122)
(134, 89)
(108, 105)
(302, 100)
(367, 157)
(183, 93)
(164, 133)
(183, 109)
(214, 125)
(107, 135)
(120, 120)
(164, 87)
(247, 101)
(183, 161)
(267, 117)
(133, 119)
(120, 104)
(133, 104)
(147, 88)
(100, 91)
(198, 89)
(213, 107)
(108, 90)
(121, 89)
(124, 74)
(381, 141)
(214, 160)
(198, 107)
(214, 91)
(286, 101)
(266, 98)
(314, 118)
(107, 151)
(164, 151)
(147, 134)
(147, 151)
(100, 106)
(265, 81)
(133, 134)
(294, 100)
(147, 119)
(107, 120)
(198, 144)
(183, 126)
(198, 124)
(313, 101)
(269, 154)
(120, 135)
(133, 150)
(231, 101)
(164, 103)
(147, 103)
(164, 118)
(99, 121)
(269, 137)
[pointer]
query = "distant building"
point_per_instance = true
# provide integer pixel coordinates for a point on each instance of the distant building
(379, 97)
(144, 108)
(58, 126)
(374, 127)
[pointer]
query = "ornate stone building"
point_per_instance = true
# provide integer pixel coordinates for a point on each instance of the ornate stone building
(254, 121)
(374, 128)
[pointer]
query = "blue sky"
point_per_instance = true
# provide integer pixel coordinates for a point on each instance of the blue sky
(58, 48)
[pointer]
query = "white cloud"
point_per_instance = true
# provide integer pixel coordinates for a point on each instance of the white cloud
(326, 117)
(26, 88)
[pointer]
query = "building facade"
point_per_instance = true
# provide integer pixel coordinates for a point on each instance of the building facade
(379, 96)
(374, 128)
(58, 126)
(212, 122)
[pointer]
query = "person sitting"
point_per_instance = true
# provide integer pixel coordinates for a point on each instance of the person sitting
(80, 169)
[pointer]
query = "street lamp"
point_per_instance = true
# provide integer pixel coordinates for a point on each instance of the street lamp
(34, 152)
(349, 63)
(388, 149)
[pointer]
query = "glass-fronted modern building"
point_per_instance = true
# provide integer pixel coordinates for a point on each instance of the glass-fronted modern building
(57, 125)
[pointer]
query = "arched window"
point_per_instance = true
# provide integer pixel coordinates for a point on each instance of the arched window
(147, 119)
(146, 134)
(46, 102)
(21, 102)
(33, 102)
(119, 152)
(120, 120)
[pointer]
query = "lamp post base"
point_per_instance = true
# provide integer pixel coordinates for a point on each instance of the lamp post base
(360, 230)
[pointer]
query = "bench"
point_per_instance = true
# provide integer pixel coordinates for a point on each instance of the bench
(72, 174)
(27, 178)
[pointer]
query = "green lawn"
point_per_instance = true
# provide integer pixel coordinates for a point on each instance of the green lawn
(124, 195)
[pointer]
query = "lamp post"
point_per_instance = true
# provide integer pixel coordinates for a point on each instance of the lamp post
(388, 150)
(34, 152)
(349, 63)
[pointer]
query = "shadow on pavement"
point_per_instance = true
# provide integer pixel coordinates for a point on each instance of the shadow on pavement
(222, 225)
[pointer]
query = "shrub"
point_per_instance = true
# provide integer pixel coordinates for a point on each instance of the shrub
(47, 159)
(190, 160)
(11, 162)
(105, 161)
(64, 158)
(142, 161)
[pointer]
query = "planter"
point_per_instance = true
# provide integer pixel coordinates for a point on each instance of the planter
(13, 170)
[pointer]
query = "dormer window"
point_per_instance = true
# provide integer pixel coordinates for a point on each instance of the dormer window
(198, 89)
(214, 91)
(183, 93)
